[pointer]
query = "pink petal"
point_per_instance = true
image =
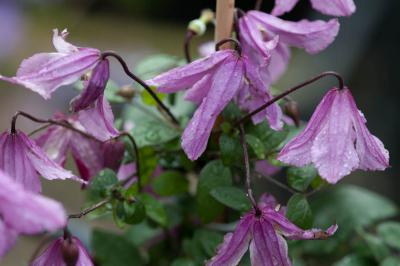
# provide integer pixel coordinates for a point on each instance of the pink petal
(279, 61)
(8, 238)
(55, 142)
(283, 6)
(27, 212)
(225, 84)
(199, 90)
(206, 49)
(235, 244)
(186, 76)
(334, 7)
(313, 36)
(60, 44)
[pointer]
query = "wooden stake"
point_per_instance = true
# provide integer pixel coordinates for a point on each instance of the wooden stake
(224, 21)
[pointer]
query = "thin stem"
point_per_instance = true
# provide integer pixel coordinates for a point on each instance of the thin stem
(90, 209)
(42, 243)
(293, 89)
(277, 183)
(186, 47)
(142, 83)
(38, 130)
(247, 167)
(137, 159)
(258, 5)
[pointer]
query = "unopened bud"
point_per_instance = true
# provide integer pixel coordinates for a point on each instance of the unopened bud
(291, 109)
(70, 252)
(127, 92)
(197, 26)
(207, 16)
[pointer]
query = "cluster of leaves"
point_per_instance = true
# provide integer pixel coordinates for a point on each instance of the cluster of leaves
(181, 214)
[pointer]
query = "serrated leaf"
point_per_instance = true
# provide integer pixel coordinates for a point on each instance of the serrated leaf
(129, 212)
(154, 209)
(111, 249)
(231, 150)
(270, 138)
(153, 133)
(301, 178)
(390, 233)
(170, 183)
(299, 211)
(256, 145)
(213, 175)
(232, 197)
(100, 185)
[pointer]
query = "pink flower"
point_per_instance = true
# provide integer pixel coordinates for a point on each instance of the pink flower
(23, 160)
(262, 233)
(328, 7)
(336, 140)
(64, 252)
(213, 82)
(89, 155)
(22, 211)
(45, 72)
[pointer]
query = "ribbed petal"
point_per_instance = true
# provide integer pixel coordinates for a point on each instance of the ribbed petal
(333, 152)
(94, 88)
(283, 6)
(313, 36)
(267, 247)
(227, 80)
(186, 76)
(334, 7)
(267, 201)
(52, 256)
(199, 90)
(235, 244)
(99, 120)
(298, 150)
(292, 231)
(370, 150)
(7, 239)
(279, 61)
(27, 212)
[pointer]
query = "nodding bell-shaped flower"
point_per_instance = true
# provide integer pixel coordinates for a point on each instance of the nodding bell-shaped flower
(90, 155)
(45, 72)
(337, 8)
(336, 140)
(64, 252)
(262, 233)
(24, 212)
(24, 160)
(213, 82)
(266, 39)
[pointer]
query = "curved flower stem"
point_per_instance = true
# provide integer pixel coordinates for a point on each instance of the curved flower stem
(47, 121)
(90, 209)
(277, 183)
(186, 46)
(38, 130)
(137, 156)
(247, 168)
(293, 89)
(142, 83)
(258, 4)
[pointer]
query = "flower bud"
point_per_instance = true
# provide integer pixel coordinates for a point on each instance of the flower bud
(70, 252)
(197, 26)
(207, 16)
(127, 92)
(291, 109)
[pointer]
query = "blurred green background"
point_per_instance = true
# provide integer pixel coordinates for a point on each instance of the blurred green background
(365, 52)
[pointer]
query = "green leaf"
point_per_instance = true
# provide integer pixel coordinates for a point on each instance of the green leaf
(256, 145)
(269, 137)
(209, 240)
(213, 175)
(301, 178)
(140, 233)
(129, 212)
(154, 209)
(232, 197)
(183, 262)
(231, 112)
(148, 98)
(111, 249)
(170, 183)
(299, 211)
(101, 184)
(155, 65)
(391, 261)
(354, 260)
(390, 233)
(231, 150)
(376, 245)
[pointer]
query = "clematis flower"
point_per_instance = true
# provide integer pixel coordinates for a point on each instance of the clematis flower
(90, 156)
(24, 212)
(262, 233)
(64, 252)
(45, 72)
(23, 159)
(266, 39)
(336, 140)
(213, 82)
(328, 7)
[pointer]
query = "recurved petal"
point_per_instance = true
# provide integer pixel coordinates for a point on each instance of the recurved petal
(227, 79)
(55, 142)
(7, 239)
(292, 231)
(334, 7)
(333, 152)
(313, 36)
(94, 88)
(61, 45)
(235, 244)
(186, 76)
(28, 212)
(283, 6)
(298, 150)
(268, 248)
(99, 120)
(370, 150)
